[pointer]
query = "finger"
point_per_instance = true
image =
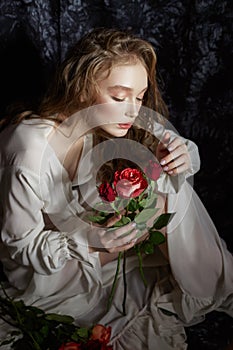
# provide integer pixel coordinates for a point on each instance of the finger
(165, 141)
(179, 170)
(177, 166)
(113, 237)
(131, 243)
(177, 152)
(120, 243)
(176, 142)
(113, 220)
(123, 230)
(127, 246)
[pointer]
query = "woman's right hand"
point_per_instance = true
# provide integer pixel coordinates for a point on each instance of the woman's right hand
(112, 240)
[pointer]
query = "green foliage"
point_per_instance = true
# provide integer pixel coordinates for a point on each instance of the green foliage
(33, 329)
(145, 215)
(162, 220)
(123, 221)
(156, 237)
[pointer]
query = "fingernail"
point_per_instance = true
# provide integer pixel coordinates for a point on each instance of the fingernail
(170, 172)
(165, 168)
(170, 148)
(134, 224)
(163, 162)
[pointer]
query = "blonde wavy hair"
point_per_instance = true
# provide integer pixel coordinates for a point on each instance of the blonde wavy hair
(74, 86)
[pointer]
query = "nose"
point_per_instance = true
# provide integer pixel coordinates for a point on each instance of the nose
(132, 110)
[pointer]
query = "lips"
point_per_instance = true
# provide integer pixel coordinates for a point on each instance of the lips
(125, 126)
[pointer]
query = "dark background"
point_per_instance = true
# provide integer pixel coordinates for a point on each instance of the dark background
(193, 43)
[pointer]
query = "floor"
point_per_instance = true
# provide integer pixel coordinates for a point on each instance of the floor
(215, 333)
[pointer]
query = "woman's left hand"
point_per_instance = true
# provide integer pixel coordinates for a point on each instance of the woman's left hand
(173, 155)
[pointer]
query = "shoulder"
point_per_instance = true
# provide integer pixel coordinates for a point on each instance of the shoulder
(24, 144)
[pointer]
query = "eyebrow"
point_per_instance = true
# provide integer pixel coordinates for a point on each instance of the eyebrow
(121, 87)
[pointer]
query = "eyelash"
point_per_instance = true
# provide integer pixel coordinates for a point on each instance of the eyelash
(122, 99)
(117, 99)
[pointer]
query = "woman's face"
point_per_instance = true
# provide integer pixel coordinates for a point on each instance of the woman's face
(121, 93)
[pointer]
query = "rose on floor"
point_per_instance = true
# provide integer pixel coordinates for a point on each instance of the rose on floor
(99, 340)
(70, 346)
(35, 329)
(101, 333)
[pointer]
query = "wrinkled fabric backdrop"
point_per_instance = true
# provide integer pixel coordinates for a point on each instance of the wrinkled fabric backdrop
(193, 43)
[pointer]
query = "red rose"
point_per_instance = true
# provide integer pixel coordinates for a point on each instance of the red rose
(153, 170)
(96, 345)
(70, 346)
(129, 183)
(101, 333)
(106, 192)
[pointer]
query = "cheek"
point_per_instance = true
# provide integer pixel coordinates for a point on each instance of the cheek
(111, 113)
(102, 98)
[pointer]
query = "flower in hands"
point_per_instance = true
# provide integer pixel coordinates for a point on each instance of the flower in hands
(129, 183)
(153, 170)
(134, 191)
(106, 192)
(133, 194)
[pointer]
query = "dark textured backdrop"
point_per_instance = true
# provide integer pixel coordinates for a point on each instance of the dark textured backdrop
(193, 42)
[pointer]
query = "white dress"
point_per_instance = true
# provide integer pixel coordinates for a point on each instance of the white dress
(52, 268)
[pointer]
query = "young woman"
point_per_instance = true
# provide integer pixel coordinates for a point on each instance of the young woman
(105, 102)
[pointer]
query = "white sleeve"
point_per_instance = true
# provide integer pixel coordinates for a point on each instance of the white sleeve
(23, 229)
(199, 259)
(167, 183)
(172, 184)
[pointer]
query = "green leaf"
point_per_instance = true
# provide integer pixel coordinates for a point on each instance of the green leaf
(133, 205)
(83, 332)
(19, 304)
(35, 310)
(145, 215)
(162, 221)
(59, 318)
(99, 219)
(156, 237)
(148, 247)
(122, 222)
(152, 201)
(142, 203)
(119, 204)
(44, 330)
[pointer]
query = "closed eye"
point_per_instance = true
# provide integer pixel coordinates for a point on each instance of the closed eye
(117, 99)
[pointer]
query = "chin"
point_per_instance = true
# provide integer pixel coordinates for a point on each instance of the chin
(119, 133)
(115, 132)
